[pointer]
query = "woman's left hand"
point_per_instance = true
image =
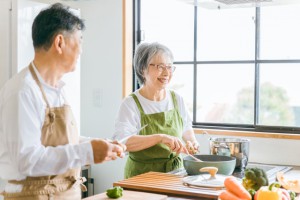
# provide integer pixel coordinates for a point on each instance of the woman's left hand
(192, 146)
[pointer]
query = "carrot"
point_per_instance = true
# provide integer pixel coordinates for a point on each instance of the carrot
(233, 186)
(226, 195)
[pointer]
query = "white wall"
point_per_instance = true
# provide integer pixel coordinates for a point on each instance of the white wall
(101, 80)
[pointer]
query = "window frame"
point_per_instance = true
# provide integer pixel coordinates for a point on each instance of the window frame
(200, 126)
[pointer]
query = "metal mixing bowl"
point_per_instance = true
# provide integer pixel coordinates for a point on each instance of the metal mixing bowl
(235, 147)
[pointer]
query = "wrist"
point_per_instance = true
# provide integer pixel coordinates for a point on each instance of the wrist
(159, 138)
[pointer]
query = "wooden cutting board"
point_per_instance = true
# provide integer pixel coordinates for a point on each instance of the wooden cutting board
(164, 183)
(130, 195)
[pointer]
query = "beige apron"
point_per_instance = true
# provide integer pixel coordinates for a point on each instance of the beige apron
(59, 128)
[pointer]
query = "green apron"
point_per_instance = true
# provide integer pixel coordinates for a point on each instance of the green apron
(157, 158)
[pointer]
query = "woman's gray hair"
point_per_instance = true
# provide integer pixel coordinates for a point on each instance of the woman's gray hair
(143, 55)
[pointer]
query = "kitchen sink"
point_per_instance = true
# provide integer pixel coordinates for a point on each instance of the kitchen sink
(271, 170)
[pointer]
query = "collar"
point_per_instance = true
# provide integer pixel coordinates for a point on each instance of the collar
(59, 85)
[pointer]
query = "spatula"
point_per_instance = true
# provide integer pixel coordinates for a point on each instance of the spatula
(195, 158)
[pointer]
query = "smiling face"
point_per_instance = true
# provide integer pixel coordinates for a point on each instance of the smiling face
(154, 78)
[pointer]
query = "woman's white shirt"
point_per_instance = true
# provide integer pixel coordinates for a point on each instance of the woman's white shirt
(128, 119)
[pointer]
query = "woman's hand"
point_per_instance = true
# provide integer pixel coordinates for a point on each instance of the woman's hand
(173, 143)
(192, 147)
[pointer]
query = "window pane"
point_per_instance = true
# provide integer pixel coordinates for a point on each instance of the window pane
(226, 34)
(279, 95)
(225, 93)
(182, 82)
(172, 26)
(280, 32)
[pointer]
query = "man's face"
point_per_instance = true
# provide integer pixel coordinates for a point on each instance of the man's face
(72, 50)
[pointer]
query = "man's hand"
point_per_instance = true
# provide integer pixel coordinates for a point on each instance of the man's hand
(123, 146)
(105, 151)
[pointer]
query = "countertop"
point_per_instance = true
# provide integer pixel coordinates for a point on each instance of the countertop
(294, 173)
(141, 195)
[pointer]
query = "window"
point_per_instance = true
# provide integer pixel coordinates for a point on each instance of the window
(237, 68)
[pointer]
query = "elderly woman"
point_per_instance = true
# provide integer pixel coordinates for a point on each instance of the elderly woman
(158, 145)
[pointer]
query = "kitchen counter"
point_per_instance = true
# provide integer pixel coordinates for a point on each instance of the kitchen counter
(170, 184)
(131, 195)
(136, 195)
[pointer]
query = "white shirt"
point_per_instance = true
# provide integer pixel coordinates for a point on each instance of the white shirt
(22, 114)
(128, 119)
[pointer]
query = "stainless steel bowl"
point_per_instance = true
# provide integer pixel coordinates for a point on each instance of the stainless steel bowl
(235, 147)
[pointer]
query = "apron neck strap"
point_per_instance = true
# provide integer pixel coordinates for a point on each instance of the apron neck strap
(174, 100)
(39, 84)
(138, 103)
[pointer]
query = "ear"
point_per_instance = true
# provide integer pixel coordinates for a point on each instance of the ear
(59, 43)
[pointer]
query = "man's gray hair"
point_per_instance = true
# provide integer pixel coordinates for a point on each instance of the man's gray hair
(143, 55)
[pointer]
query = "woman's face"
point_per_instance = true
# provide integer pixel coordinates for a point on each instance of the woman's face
(158, 76)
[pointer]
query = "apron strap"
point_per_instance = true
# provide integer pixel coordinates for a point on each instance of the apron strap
(39, 84)
(173, 162)
(138, 103)
(80, 181)
(174, 99)
(75, 182)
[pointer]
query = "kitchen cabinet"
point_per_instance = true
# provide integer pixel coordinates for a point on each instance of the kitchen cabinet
(89, 184)
(5, 44)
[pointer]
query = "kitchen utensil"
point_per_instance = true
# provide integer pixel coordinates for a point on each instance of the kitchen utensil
(235, 147)
(168, 184)
(211, 180)
(225, 164)
(125, 138)
(128, 136)
(197, 159)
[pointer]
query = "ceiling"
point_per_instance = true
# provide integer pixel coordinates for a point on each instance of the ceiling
(222, 4)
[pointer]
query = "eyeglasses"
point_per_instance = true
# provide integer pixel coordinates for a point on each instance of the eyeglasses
(163, 67)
